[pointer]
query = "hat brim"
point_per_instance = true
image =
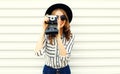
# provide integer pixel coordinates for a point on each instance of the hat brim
(61, 6)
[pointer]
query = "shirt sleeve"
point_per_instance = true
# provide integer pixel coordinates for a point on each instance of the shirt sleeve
(68, 46)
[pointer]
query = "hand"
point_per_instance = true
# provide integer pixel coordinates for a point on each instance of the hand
(58, 35)
(45, 25)
(58, 27)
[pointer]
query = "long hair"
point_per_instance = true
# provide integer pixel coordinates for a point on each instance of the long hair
(66, 27)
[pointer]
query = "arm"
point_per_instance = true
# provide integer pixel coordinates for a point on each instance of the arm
(65, 50)
(61, 47)
(41, 42)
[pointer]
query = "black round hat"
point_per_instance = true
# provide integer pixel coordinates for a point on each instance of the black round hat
(61, 6)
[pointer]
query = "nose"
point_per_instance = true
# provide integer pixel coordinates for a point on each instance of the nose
(58, 18)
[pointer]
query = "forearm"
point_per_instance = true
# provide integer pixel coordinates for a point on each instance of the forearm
(39, 44)
(61, 47)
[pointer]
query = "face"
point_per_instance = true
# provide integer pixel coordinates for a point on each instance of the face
(61, 23)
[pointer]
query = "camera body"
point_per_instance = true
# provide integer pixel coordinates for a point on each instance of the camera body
(52, 25)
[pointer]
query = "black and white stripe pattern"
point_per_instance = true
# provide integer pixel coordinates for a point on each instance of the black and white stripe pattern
(51, 52)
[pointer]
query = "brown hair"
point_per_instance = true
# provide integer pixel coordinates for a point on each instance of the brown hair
(66, 27)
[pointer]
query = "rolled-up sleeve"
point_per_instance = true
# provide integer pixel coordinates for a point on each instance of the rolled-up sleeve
(68, 46)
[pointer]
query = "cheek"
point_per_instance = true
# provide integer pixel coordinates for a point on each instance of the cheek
(62, 24)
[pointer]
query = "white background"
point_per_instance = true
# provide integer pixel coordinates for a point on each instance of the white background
(96, 25)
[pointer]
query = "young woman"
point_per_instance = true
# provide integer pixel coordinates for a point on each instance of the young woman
(57, 49)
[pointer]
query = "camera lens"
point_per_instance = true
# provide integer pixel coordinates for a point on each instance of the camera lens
(52, 18)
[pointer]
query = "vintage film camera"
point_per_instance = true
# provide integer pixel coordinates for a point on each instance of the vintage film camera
(52, 25)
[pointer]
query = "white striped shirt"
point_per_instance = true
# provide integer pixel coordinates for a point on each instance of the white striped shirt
(51, 52)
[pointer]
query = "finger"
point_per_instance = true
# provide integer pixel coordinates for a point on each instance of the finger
(46, 19)
(58, 27)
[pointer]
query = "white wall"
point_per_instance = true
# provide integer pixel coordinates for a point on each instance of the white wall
(96, 24)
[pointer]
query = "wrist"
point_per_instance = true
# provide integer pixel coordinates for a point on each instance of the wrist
(58, 36)
(58, 39)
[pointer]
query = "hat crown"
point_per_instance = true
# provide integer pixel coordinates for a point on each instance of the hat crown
(61, 6)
